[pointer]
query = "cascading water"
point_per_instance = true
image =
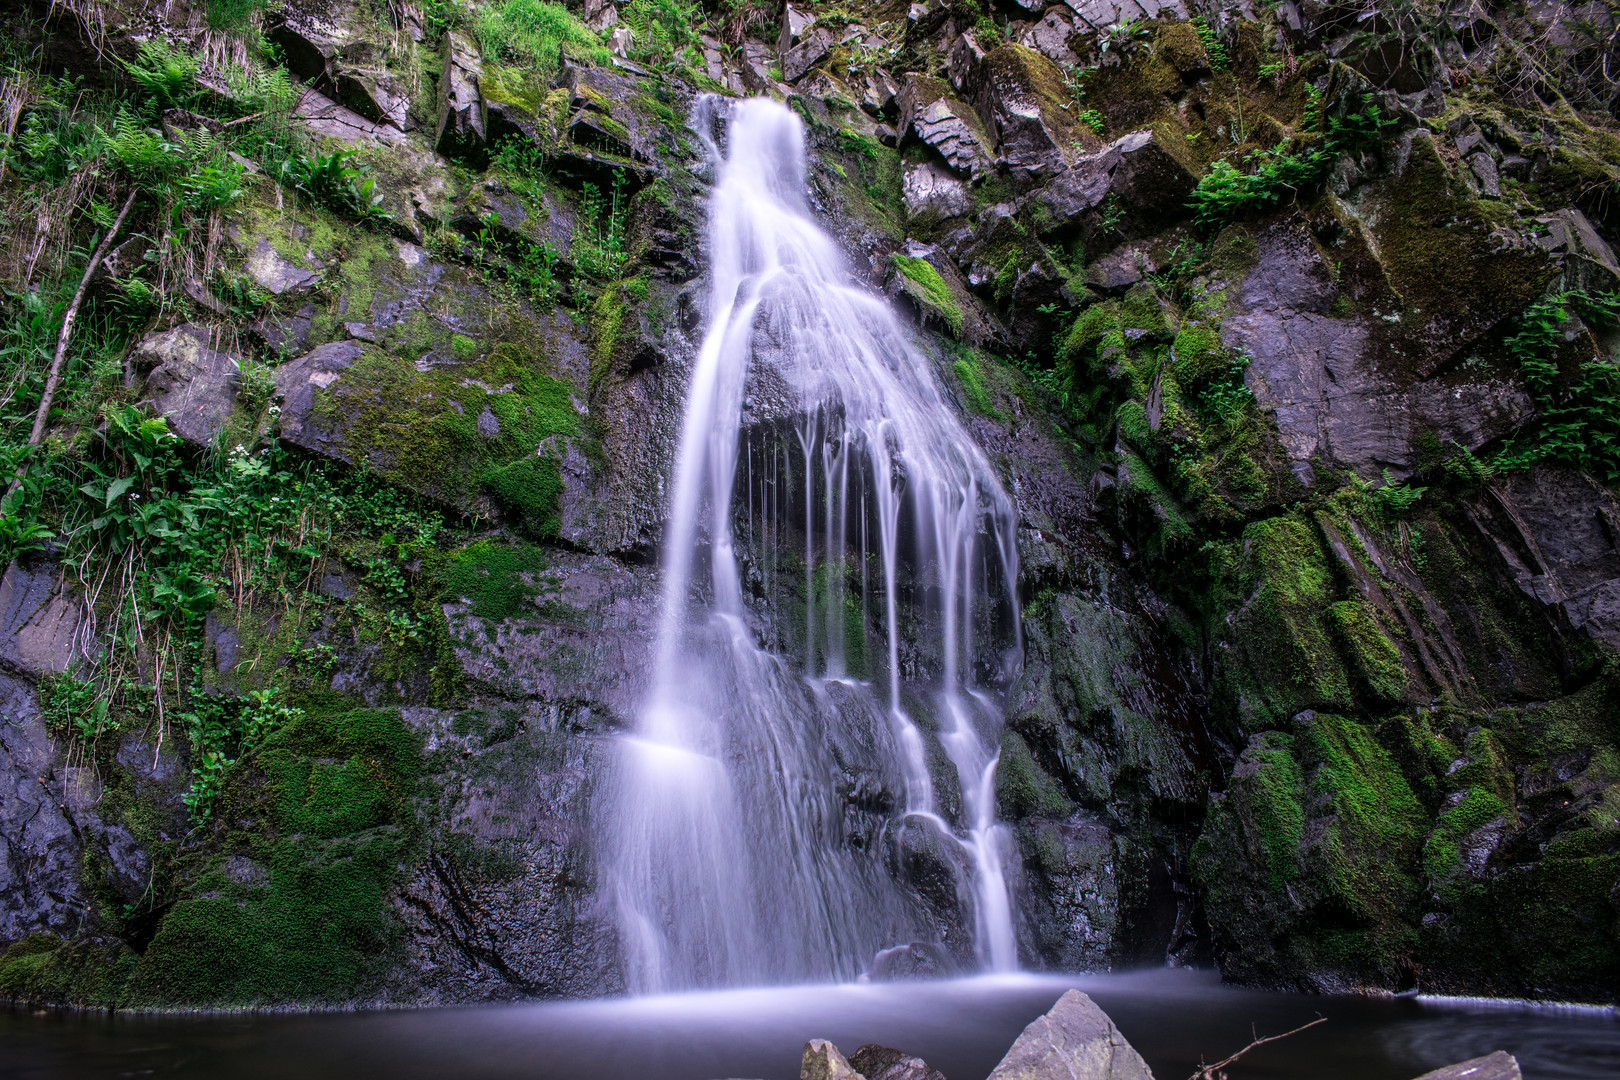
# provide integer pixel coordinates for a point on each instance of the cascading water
(731, 859)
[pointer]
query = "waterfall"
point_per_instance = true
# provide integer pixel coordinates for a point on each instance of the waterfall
(733, 855)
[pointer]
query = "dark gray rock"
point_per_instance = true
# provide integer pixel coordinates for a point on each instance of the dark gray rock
(41, 622)
(876, 1062)
(503, 907)
(931, 194)
(296, 385)
(1556, 531)
(461, 127)
(1143, 175)
(341, 50)
(931, 113)
(1337, 392)
(39, 852)
(798, 60)
(1075, 1040)
(590, 642)
(1498, 1066)
(191, 383)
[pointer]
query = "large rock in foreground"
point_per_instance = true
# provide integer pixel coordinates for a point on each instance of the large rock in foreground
(1498, 1066)
(1075, 1040)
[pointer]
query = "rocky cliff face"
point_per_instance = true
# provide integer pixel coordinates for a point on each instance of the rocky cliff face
(1288, 329)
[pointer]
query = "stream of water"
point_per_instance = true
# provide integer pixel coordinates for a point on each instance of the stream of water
(819, 470)
(962, 1027)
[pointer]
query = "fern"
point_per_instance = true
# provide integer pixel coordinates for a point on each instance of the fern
(165, 73)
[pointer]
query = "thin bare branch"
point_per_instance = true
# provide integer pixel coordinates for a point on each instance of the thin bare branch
(1217, 1071)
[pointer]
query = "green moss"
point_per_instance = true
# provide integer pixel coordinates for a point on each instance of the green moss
(530, 489)
(1290, 659)
(1274, 791)
(1234, 253)
(429, 430)
(969, 368)
(924, 284)
(607, 319)
(1441, 856)
(1441, 256)
(1023, 788)
(324, 817)
(500, 581)
(1199, 354)
(1374, 658)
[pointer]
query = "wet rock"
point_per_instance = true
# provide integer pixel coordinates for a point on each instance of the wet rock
(192, 384)
(1075, 1040)
(794, 24)
(1498, 1066)
(297, 384)
(1024, 103)
(822, 1061)
(461, 127)
(321, 115)
(1556, 531)
(40, 859)
(502, 908)
(1051, 35)
(1333, 381)
(40, 621)
(876, 1062)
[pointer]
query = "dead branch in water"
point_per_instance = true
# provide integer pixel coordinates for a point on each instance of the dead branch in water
(1217, 1071)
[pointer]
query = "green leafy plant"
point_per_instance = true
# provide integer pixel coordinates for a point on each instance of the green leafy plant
(1580, 409)
(598, 249)
(330, 180)
(165, 73)
(1093, 120)
(1227, 192)
(663, 28)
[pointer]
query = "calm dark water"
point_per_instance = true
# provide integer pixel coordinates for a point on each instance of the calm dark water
(960, 1027)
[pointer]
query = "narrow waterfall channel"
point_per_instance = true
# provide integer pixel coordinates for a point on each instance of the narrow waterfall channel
(838, 570)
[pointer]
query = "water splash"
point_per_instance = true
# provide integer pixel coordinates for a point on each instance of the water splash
(731, 859)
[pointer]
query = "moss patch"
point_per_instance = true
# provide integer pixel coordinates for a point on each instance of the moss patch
(294, 906)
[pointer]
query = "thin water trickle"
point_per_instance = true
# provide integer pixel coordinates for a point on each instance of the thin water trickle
(730, 859)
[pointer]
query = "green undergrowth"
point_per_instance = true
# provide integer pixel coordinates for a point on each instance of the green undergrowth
(294, 906)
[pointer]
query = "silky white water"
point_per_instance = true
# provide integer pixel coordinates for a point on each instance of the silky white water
(836, 584)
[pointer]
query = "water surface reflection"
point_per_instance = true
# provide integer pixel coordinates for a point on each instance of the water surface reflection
(961, 1027)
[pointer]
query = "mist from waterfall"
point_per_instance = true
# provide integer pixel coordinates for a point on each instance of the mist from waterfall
(837, 570)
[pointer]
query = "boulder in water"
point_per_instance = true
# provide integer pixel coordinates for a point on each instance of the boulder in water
(822, 1061)
(1498, 1066)
(886, 1063)
(1075, 1040)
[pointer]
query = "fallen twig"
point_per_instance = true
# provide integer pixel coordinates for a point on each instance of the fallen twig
(1217, 1071)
